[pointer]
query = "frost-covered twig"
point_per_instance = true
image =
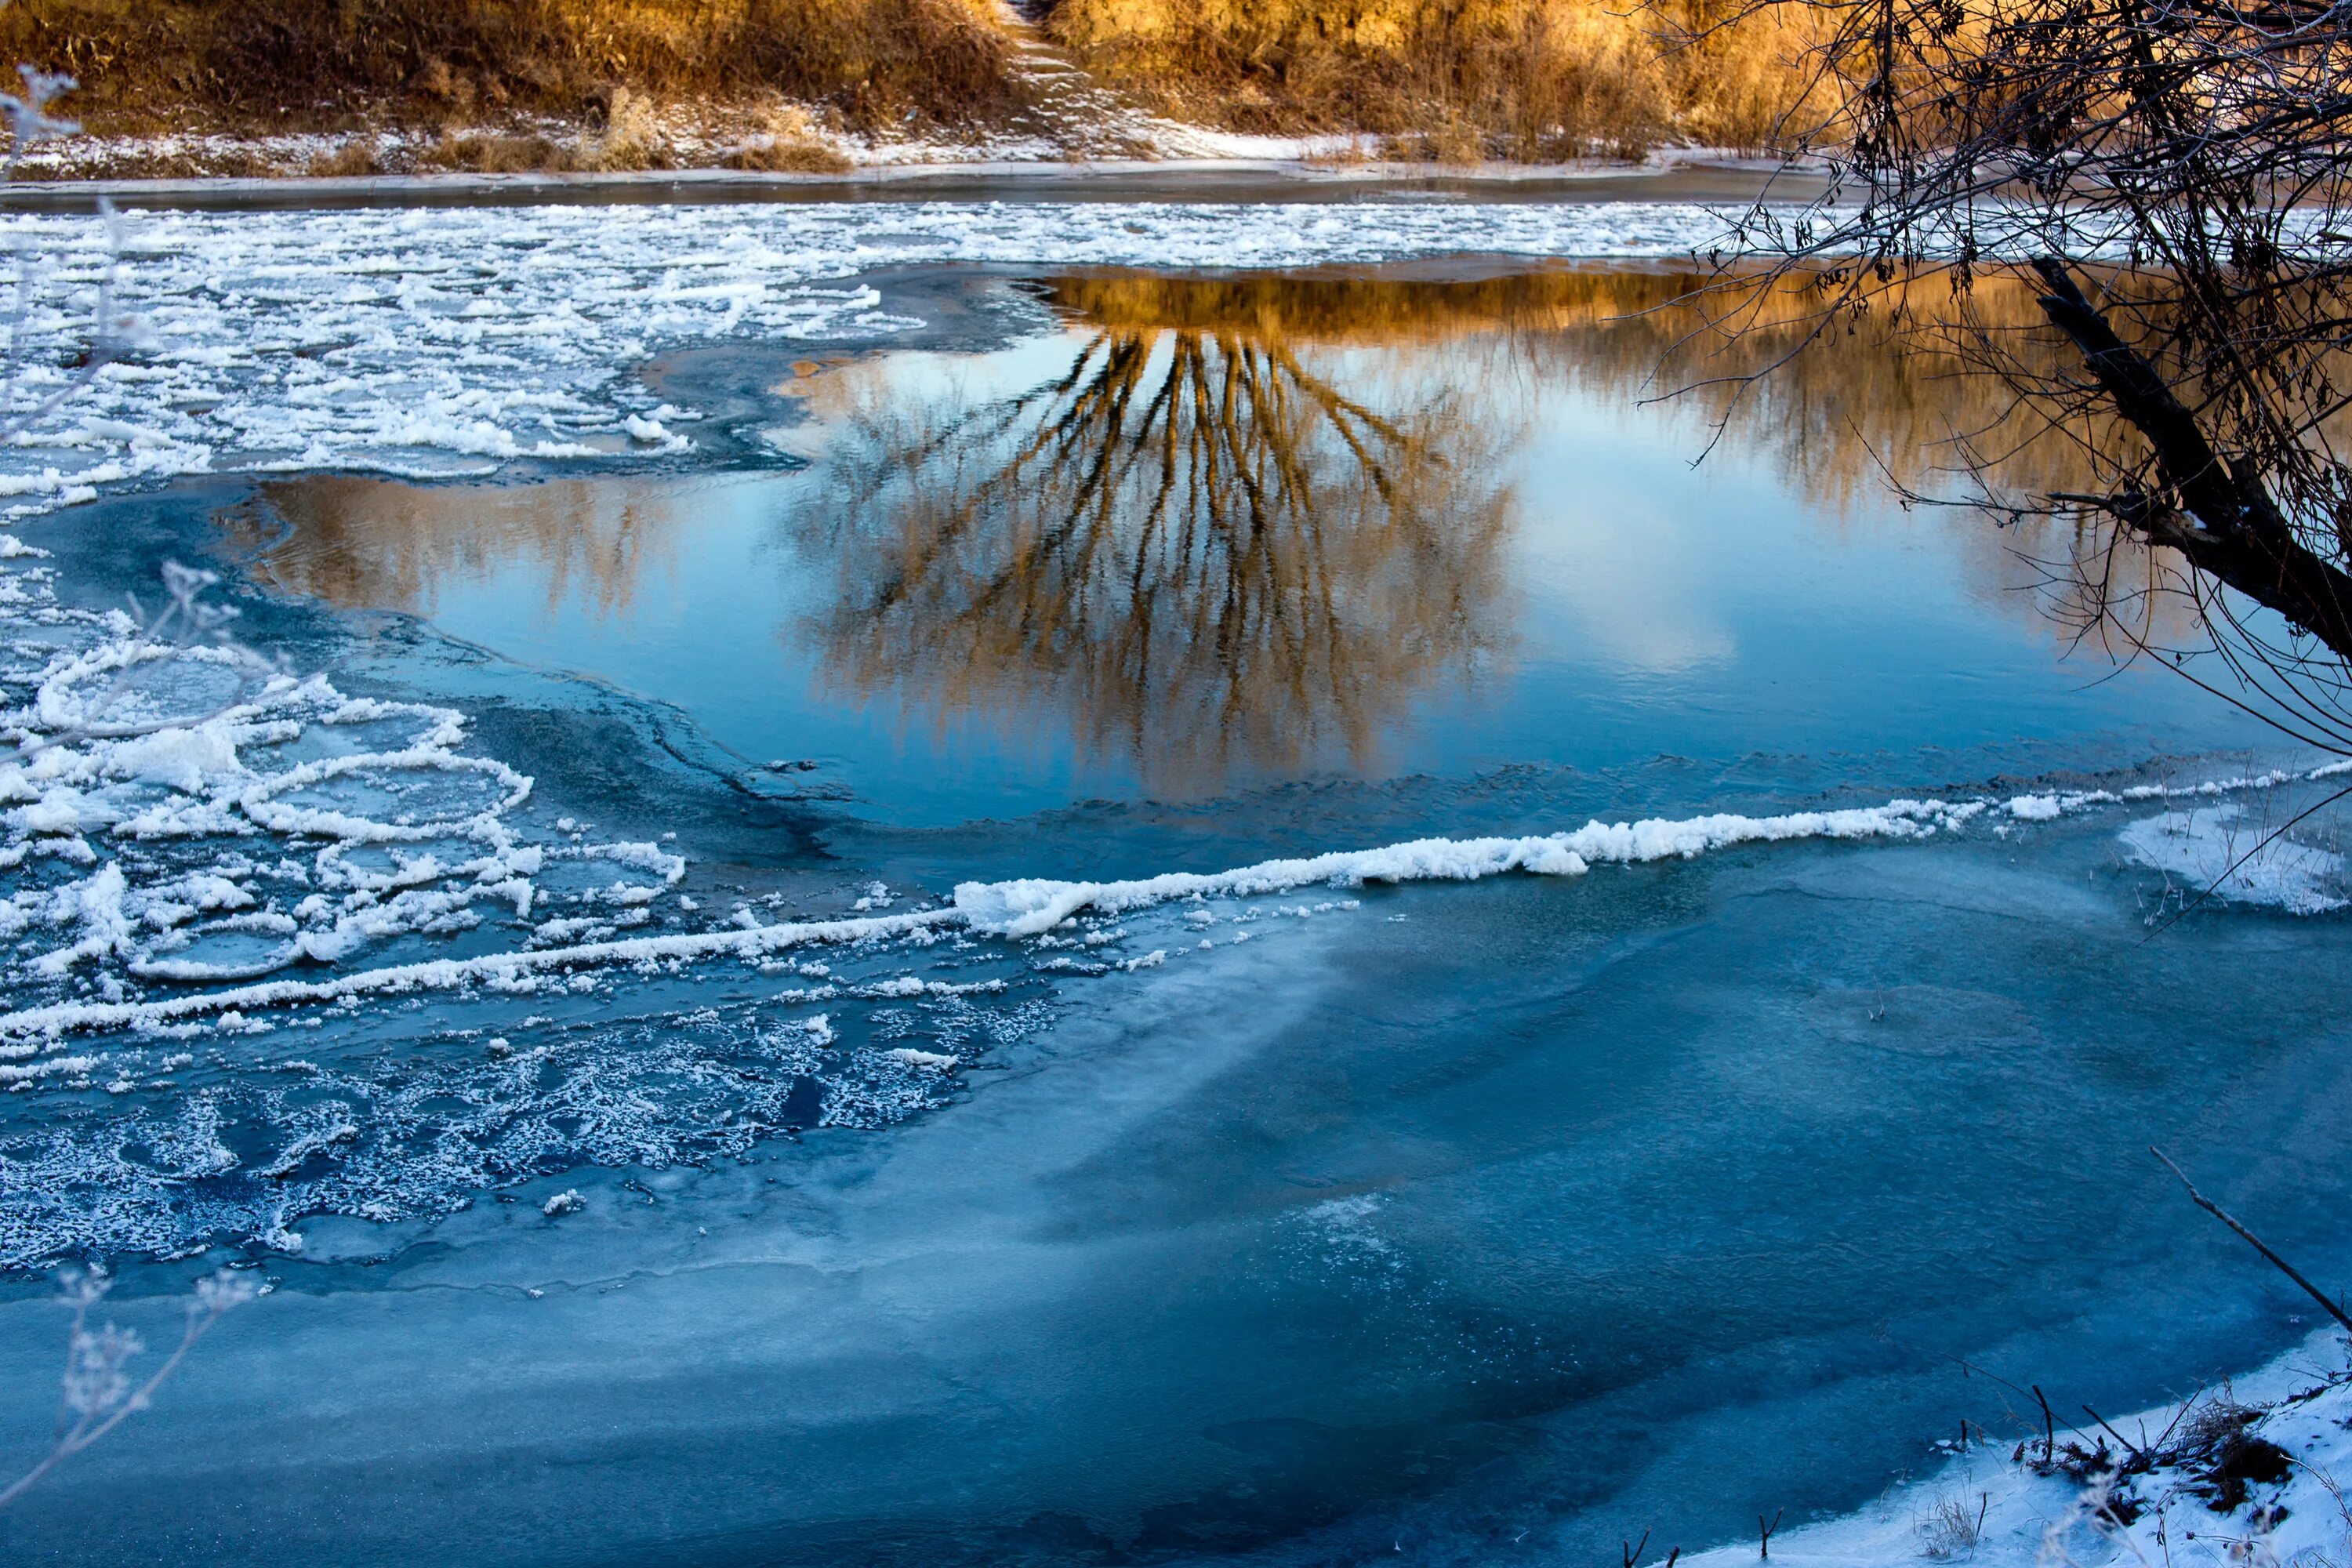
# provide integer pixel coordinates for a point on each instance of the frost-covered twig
(30, 124)
(98, 1392)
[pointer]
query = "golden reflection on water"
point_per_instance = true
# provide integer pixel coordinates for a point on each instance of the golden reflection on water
(1201, 545)
(372, 543)
(1241, 524)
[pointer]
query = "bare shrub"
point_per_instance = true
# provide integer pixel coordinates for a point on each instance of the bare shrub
(631, 137)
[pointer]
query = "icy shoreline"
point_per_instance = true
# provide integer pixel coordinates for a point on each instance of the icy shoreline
(1301, 164)
(2002, 1509)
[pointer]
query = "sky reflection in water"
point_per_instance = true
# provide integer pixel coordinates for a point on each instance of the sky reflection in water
(1209, 534)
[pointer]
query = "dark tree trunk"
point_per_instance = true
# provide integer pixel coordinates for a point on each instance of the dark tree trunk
(2237, 534)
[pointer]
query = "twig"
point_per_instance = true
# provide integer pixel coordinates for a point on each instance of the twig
(2281, 1264)
(2111, 1432)
(82, 1422)
(1633, 1552)
(1764, 1546)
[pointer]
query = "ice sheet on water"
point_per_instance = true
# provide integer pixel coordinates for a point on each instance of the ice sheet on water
(186, 829)
(249, 1149)
(454, 341)
(267, 952)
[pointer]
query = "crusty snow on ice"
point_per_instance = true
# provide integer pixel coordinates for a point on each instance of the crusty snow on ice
(2223, 850)
(454, 341)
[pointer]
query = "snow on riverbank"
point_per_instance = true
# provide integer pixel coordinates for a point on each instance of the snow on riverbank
(2248, 1473)
(691, 141)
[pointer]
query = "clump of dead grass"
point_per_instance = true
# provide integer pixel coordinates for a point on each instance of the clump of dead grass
(352, 160)
(492, 152)
(1951, 1530)
(788, 143)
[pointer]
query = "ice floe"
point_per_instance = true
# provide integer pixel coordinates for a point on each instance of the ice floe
(455, 340)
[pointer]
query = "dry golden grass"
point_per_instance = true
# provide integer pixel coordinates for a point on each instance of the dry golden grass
(352, 159)
(1455, 79)
(273, 65)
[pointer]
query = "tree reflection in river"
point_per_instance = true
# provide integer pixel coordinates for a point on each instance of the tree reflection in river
(1214, 541)
(1248, 525)
(1256, 519)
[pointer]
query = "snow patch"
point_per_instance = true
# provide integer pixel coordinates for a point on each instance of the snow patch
(2215, 848)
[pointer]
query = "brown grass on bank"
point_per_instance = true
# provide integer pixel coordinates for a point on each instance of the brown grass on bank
(289, 64)
(1455, 79)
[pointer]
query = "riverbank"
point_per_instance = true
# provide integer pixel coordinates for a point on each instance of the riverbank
(2250, 1471)
(398, 86)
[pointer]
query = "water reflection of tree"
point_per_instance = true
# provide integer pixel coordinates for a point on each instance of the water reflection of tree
(1256, 517)
(1886, 407)
(1250, 521)
(1883, 405)
(1210, 545)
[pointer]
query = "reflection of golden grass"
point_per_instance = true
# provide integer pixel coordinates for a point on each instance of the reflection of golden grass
(383, 544)
(1462, 79)
(1842, 416)
(278, 65)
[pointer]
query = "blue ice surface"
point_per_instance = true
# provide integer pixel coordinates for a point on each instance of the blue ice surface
(1489, 1223)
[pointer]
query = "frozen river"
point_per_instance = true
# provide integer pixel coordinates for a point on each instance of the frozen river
(873, 885)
